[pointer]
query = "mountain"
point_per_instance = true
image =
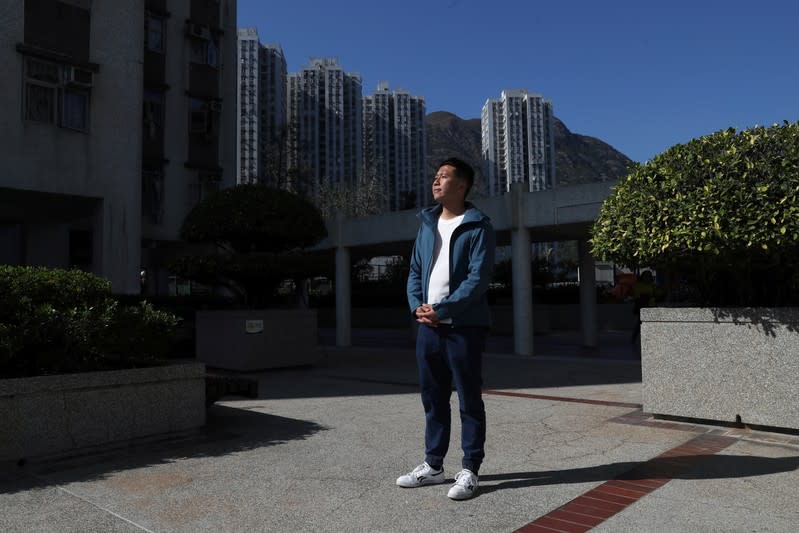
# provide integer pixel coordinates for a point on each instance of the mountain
(578, 158)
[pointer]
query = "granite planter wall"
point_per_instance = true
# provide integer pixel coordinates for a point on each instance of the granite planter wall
(720, 364)
(248, 340)
(56, 414)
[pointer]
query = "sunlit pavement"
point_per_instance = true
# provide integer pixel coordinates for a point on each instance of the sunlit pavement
(568, 449)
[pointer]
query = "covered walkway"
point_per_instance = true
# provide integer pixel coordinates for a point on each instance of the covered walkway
(520, 218)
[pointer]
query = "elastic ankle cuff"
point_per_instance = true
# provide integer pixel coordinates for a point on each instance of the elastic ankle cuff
(473, 467)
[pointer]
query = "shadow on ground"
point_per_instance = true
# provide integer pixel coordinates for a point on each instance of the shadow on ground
(228, 430)
(372, 371)
(691, 467)
(613, 345)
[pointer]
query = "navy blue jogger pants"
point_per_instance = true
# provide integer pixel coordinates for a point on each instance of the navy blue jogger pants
(445, 354)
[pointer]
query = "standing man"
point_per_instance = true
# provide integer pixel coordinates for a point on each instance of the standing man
(451, 267)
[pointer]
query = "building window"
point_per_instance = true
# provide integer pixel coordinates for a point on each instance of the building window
(199, 117)
(212, 55)
(204, 52)
(153, 114)
(57, 94)
(41, 85)
(199, 51)
(154, 33)
(75, 110)
(153, 195)
(40, 103)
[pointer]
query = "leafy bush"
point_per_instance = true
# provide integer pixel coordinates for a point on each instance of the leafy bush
(253, 218)
(257, 234)
(723, 208)
(62, 321)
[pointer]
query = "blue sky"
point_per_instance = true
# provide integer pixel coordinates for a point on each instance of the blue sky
(640, 75)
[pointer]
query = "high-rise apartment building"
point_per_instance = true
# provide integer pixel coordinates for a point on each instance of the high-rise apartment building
(518, 142)
(112, 130)
(262, 120)
(324, 111)
(395, 146)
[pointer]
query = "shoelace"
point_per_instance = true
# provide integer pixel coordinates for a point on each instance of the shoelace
(416, 471)
(464, 479)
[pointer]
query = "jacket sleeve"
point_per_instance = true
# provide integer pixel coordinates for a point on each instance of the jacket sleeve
(481, 267)
(414, 287)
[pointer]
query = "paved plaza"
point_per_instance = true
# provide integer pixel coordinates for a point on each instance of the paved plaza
(568, 449)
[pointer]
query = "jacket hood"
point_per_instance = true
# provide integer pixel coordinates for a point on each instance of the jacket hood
(429, 215)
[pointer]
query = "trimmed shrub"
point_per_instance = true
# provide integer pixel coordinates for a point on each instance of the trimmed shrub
(254, 218)
(723, 209)
(62, 321)
(258, 235)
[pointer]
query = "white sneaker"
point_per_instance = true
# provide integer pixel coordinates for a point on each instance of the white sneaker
(465, 485)
(421, 475)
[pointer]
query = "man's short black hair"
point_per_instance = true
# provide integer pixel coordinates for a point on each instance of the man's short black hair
(462, 169)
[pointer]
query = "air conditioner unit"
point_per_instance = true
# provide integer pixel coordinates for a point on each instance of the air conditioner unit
(77, 77)
(199, 31)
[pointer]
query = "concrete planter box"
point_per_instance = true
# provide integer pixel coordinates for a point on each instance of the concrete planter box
(248, 340)
(725, 365)
(56, 414)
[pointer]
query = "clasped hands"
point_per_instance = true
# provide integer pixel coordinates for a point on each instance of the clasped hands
(426, 315)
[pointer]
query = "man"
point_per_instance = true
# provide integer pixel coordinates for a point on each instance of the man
(451, 266)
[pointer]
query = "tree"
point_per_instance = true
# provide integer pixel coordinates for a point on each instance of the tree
(258, 236)
(364, 196)
(724, 206)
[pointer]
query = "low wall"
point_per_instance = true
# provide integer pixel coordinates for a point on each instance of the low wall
(727, 365)
(54, 414)
(249, 340)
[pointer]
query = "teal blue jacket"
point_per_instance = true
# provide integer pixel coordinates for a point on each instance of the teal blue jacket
(470, 269)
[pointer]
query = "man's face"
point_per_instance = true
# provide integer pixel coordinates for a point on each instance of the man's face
(448, 186)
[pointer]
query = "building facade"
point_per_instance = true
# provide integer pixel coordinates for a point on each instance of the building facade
(324, 130)
(114, 130)
(262, 111)
(518, 142)
(189, 148)
(395, 146)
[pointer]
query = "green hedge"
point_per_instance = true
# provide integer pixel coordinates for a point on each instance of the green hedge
(63, 321)
(722, 209)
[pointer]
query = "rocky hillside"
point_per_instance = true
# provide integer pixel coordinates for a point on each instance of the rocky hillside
(578, 158)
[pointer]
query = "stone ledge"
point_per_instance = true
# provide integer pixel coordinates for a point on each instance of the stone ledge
(733, 315)
(90, 380)
(57, 414)
(728, 365)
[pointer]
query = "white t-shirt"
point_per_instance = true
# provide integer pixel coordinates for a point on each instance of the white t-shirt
(438, 287)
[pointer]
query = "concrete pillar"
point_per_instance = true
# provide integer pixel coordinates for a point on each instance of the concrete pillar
(343, 297)
(588, 305)
(522, 292)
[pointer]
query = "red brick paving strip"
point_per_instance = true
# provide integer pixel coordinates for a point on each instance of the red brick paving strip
(600, 503)
(562, 399)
